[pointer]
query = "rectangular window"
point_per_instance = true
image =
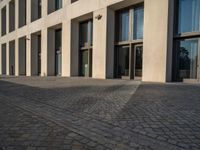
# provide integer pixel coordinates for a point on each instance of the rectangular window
(187, 59)
(188, 16)
(58, 4)
(86, 33)
(123, 25)
(138, 25)
(3, 21)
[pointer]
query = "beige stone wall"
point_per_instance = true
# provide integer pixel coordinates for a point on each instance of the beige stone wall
(156, 36)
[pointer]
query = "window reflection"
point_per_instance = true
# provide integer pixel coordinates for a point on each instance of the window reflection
(189, 16)
(124, 25)
(188, 59)
(138, 23)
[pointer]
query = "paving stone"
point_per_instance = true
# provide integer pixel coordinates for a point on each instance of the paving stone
(68, 113)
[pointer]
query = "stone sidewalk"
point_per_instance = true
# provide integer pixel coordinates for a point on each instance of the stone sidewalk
(83, 114)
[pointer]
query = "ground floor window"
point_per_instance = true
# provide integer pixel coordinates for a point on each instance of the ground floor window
(186, 55)
(128, 61)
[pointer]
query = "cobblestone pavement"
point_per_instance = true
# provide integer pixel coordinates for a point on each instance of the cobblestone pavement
(82, 114)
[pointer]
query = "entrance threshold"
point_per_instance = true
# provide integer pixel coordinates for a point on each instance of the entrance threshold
(191, 81)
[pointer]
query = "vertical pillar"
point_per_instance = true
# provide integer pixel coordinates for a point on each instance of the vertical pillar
(7, 18)
(44, 52)
(156, 40)
(28, 55)
(16, 14)
(17, 57)
(28, 12)
(66, 48)
(7, 59)
(44, 8)
(103, 44)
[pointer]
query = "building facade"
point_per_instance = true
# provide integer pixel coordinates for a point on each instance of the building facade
(151, 40)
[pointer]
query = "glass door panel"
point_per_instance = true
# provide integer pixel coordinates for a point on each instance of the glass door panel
(188, 59)
(84, 68)
(58, 62)
(122, 61)
(138, 60)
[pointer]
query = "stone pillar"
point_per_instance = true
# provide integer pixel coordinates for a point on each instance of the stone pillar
(28, 55)
(17, 57)
(7, 18)
(157, 34)
(103, 44)
(16, 14)
(7, 59)
(28, 12)
(44, 52)
(66, 48)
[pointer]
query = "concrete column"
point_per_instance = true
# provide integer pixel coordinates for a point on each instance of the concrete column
(66, 48)
(16, 14)
(156, 40)
(28, 55)
(28, 12)
(103, 44)
(7, 18)
(44, 52)
(17, 57)
(7, 59)
(44, 8)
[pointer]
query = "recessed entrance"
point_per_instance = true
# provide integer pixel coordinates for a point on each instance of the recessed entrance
(58, 52)
(128, 61)
(85, 52)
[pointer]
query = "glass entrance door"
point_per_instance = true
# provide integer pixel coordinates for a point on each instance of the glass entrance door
(187, 64)
(58, 62)
(122, 56)
(84, 63)
(138, 58)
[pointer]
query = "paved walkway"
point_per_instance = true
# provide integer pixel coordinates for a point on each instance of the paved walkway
(83, 114)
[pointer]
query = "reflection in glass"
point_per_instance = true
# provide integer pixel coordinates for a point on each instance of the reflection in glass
(124, 25)
(138, 23)
(188, 59)
(86, 29)
(84, 63)
(189, 16)
(58, 4)
(138, 61)
(122, 61)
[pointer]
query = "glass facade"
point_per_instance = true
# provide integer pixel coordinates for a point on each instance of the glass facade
(124, 25)
(189, 16)
(187, 59)
(138, 25)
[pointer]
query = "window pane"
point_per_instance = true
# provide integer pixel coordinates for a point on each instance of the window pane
(122, 61)
(58, 4)
(124, 26)
(189, 16)
(188, 58)
(138, 18)
(83, 34)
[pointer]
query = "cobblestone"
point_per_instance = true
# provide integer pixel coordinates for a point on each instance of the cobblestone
(77, 113)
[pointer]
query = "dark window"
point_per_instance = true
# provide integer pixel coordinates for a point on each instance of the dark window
(58, 4)
(123, 25)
